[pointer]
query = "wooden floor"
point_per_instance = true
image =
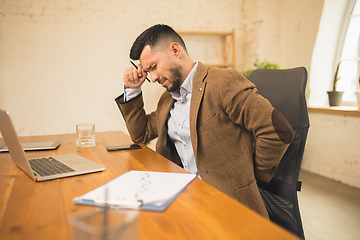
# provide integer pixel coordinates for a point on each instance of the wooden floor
(330, 210)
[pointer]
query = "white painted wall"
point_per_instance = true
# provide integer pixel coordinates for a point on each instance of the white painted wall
(323, 58)
(332, 149)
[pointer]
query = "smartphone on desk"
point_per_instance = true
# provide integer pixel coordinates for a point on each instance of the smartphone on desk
(123, 147)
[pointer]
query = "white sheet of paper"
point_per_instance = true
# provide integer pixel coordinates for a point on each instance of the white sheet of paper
(155, 188)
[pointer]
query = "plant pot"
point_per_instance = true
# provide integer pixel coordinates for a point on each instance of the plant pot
(357, 93)
(335, 98)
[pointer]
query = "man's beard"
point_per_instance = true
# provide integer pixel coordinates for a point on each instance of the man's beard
(176, 78)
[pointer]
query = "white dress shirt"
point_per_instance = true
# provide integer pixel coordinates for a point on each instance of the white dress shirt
(179, 121)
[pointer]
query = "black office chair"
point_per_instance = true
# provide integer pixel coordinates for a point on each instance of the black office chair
(285, 89)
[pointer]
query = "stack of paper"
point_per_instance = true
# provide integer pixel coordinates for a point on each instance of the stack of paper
(138, 190)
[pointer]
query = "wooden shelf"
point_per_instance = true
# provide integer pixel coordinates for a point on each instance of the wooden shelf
(228, 45)
(217, 33)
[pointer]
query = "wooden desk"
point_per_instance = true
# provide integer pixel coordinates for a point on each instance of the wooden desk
(41, 210)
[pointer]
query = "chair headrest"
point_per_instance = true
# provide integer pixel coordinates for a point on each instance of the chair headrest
(285, 89)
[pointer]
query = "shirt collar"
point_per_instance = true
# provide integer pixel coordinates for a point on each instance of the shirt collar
(186, 87)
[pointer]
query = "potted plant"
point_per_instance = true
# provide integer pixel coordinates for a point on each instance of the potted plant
(335, 97)
(261, 65)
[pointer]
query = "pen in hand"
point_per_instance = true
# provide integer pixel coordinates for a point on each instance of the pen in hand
(137, 68)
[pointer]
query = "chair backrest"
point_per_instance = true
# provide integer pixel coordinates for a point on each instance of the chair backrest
(285, 89)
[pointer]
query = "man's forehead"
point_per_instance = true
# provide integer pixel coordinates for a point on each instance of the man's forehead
(147, 57)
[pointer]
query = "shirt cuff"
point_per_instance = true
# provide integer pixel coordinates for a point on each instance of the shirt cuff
(131, 93)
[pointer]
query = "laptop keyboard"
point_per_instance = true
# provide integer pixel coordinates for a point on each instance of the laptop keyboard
(49, 166)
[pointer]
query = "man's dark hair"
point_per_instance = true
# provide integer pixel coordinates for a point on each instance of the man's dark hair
(152, 36)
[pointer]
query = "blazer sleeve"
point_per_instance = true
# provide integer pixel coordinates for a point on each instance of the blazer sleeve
(141, 127)
(273, 132)
(273, 136)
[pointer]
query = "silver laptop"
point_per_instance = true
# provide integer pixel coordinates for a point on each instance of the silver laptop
(43, 168)
(35, 146)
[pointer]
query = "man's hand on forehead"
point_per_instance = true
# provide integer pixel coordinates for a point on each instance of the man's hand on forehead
(134, 77)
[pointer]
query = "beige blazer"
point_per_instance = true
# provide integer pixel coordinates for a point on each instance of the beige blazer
(225, 113)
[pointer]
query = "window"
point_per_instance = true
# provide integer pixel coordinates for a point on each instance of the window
(350, 54)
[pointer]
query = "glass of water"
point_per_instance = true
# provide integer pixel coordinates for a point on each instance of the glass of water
(85, 135)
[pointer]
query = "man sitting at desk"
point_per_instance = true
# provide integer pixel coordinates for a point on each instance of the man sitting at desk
(206, 119)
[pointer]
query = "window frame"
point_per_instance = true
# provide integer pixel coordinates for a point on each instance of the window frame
(341, 40)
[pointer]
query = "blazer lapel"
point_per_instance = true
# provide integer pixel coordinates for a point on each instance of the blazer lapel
(198, 90)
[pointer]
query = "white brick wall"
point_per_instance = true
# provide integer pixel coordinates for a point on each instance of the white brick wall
(332, 148)
(55, 47)
(283, 31)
